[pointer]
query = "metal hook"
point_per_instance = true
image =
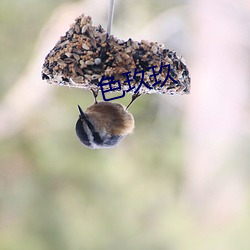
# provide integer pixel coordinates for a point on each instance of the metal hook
(110, 15)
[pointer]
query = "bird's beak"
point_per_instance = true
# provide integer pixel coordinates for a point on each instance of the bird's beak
(82, 115)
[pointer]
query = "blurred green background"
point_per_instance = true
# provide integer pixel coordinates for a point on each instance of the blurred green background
(181, 181)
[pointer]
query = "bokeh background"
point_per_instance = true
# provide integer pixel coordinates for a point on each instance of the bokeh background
(180, 182)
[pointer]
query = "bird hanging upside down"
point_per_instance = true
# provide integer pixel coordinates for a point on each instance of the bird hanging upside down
(104, 125)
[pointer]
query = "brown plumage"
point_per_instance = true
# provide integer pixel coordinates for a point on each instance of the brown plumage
(112, 117)
(104, 125)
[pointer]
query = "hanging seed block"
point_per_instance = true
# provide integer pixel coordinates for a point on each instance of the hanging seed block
(86, 53)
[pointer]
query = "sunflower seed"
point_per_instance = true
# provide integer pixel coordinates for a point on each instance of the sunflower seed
(85, 46)
(88, 62)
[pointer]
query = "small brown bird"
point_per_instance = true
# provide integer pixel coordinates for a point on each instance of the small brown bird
(104, 125)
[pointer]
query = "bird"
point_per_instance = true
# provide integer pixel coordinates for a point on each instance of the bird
(103, 124)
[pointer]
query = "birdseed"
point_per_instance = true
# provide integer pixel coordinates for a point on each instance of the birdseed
(86, 53)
